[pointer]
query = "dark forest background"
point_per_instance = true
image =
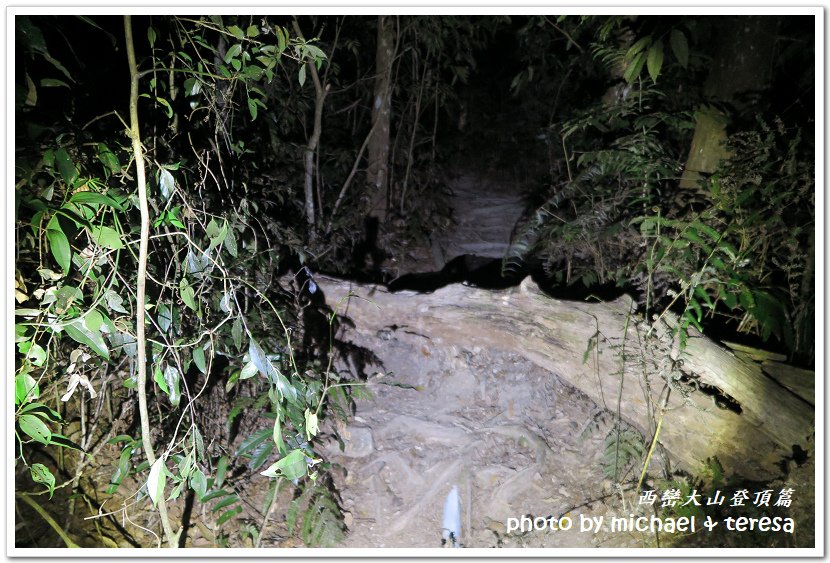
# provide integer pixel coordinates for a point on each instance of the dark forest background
(671, 157)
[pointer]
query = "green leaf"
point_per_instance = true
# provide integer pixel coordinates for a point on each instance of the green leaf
(66, 167)
(236, 333)
(318, 54)
(33, 352)
(95, 198)
(108, 159)
(199, 359)
(166, 183)
(278, 441)
(312, 425)
(198, 482)
(634, 67)
(53, 83)
(221, 470)
(165, 317)
(168, 109)
(655, 60)
(64, 442)
(41, 474)
(252, 109)
(35, 428)
(228, 515)
(107, 237)
(680, 47)
(237, 32)
(187, 294)
(156, 481)
(301, 75)
(281, 38)
(172, 378)
(79, 332)
(639, 46)
(115, 301)
(58, 244)
(233, 51)
(158, 377)
(25, 389)
(292, 466)
(151, 36)
(225, 502)
(248, 371)
(41, 410)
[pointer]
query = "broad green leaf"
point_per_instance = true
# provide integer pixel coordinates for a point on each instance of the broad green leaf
(236, 32)
(248, 371)
(252, 109)
(107, 237)
(66, 167)
(25, 389)
(252, 31)
(252, 441)
(680, 47)
(638, 47)
(301, 75)
(199, 359)
(42, 411)
(281, 38)
(225, 502)
(655, 60)
(156, 481)
(230, 243)
(35, 428)
(291, 467)
(64, 442)
(221, 470)
(165, 317)
(93, 320)
(79, 332)
(187, 294)
(172, 378)
(53, 83)
(198, 482)
(95, 198)
(158, 377)
(634, 67)
(236, 333)
(228, 515)
(115, 301)
(33, 352)
(151, 36)
(166, 183)
(315, 52)
(311, 424)
(168, 109)
(233, 51)
(59, 244)
(108, 159)
(41, 474)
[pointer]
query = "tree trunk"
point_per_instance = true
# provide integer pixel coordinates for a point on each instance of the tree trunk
(378, 171)
(584, 344)
(742, 63)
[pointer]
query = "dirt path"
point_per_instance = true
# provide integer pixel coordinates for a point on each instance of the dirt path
(485, 212)
(513, 437)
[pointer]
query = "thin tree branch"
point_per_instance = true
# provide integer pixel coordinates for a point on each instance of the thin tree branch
(141, 281)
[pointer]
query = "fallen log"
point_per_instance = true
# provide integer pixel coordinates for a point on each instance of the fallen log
(716, 404)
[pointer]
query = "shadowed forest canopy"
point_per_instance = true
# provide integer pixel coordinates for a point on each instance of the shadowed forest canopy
(180, 180)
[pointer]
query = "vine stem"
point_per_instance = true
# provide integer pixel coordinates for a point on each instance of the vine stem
(49, 520)
(141, 282)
